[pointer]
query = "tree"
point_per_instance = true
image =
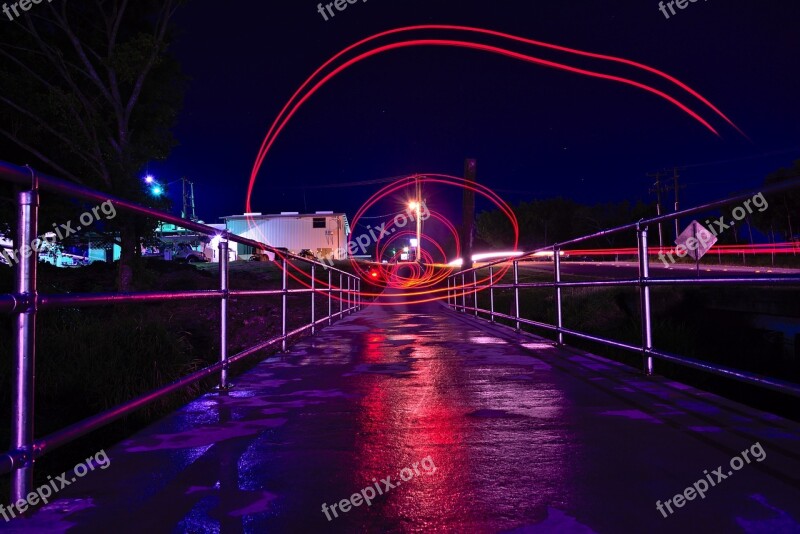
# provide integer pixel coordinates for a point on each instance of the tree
(782, 216)
(545, 222)
(90, 90)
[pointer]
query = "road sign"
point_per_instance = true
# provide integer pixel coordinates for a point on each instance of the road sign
(696, 239)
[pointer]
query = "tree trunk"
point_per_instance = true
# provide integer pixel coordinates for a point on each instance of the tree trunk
(127, 256)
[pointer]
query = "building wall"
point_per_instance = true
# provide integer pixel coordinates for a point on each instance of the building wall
(294, 232)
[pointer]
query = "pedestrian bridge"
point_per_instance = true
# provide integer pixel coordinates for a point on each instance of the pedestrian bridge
(398, 415)
(508, 433)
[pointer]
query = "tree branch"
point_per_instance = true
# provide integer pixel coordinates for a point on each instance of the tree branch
(65, 173)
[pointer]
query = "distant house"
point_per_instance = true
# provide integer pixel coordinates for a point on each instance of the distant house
(324, 233)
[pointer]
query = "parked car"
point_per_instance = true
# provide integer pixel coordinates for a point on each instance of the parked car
(267, 255)
(184, 252)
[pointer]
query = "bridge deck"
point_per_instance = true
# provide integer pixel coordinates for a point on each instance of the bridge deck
(516, 435)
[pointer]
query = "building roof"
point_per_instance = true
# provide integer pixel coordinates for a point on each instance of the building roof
(296, 215)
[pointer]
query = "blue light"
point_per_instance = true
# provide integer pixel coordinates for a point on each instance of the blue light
(157, 190)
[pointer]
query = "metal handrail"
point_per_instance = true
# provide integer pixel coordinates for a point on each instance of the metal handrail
(25, 303)
(783, 186)
(460, 288)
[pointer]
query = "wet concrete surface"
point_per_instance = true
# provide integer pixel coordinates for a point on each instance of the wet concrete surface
(479, 429)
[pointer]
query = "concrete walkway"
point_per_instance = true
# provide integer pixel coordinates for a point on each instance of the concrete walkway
(477, 428)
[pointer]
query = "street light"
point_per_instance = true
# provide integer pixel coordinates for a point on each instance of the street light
(416, 207)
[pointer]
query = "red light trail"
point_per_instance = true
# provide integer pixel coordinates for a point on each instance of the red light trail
(423, 280)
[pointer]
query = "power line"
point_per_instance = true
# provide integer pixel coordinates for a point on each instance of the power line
(348, 184)
(744, 158)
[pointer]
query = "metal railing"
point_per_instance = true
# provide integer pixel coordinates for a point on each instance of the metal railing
(25, 302)
(459, 286)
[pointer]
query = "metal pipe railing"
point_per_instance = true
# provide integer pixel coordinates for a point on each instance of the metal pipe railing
(777, 188)
(491, 292)
(516, 293)
(557, 280)
(644, 283)
(223, 313)
(25, 348)
(26, 302)
(644, 297)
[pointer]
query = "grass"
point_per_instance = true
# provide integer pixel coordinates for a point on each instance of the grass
(686, 321)
(91, 359)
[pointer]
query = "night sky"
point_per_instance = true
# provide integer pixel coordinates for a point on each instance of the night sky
(536, 132)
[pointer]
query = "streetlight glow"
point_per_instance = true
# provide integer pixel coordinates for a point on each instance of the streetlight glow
(149, 179)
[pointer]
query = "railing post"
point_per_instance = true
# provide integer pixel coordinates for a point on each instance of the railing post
(284, 298)
(25, 344)
(644, 293)
(516, 293)
(349, 294)
(341, 298)
(313, 298)
(475, 288)
(448, 291)
(223, 311)
(330, 297)
(463, 293)
(491, 292)
(557, 275)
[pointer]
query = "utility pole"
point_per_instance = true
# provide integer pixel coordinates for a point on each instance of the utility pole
(188, 200)
(676, 187)
(417, 255)
(468, 213)
(657, 188)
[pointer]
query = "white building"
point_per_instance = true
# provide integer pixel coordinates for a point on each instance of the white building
(324, 233)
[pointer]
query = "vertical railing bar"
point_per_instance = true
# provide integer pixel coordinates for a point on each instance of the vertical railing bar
(22, 431)
(557, 278)
(223, 311)
(313, 298)
(284, 298)
(341, 298)
(330, 297)
(349, 304)
(475, 288)
(491, 292)
(644, 294)
(516, 293)
(463, 293)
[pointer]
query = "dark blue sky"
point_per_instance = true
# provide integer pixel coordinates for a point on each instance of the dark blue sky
(536, 132)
